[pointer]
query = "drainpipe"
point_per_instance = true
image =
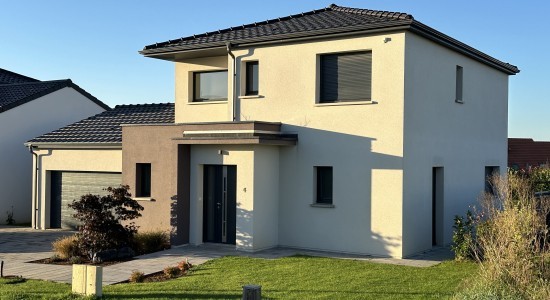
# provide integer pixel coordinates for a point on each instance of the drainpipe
(234, 99)
(35, 184)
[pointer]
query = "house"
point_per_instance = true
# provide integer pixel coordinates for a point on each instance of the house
(524, 153)
(339, 129)
(30, 107)
(82, 158)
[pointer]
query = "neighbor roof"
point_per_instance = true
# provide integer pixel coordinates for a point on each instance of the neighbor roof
(105, 128)
(319, 23)
(12, 77)
(525, 152)
(15, 94)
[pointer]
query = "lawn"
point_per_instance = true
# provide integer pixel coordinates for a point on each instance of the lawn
(298, 277)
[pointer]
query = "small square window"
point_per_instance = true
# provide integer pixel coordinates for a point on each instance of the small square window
(210, 86)
(143, 180)
(324, 185)
(252, 72)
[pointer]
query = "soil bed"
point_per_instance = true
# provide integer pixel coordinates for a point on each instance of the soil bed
(50, 261)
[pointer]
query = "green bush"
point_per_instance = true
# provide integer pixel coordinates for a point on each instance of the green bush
(66, 247)
(463, 237)
(150, 241)
(76, 260)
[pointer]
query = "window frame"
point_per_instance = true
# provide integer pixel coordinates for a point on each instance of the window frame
(143, 183)
(194, 86)
(319, 182)
(321, 76)
(247, 89)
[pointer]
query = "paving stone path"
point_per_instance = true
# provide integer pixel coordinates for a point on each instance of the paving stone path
(19, 245)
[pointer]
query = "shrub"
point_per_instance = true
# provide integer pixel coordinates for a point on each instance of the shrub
(511, 241)
(76, 260)
(463, 237)
(101, 217)
(171, 272)
(66, 247)
(136, 277)
(184, 265)
(150, 241)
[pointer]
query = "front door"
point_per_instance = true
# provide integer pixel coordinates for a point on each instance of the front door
(220, 205)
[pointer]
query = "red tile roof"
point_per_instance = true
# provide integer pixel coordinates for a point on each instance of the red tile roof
(523, 153)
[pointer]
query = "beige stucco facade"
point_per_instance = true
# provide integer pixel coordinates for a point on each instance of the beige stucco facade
(382, 151)
(71, 159)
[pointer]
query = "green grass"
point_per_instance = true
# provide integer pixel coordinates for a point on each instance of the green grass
(298, 277)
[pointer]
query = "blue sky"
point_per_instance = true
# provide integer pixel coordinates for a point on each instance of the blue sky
(95, 43)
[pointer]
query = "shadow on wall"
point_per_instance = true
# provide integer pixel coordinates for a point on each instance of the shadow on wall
(366, 192)
(244, 229)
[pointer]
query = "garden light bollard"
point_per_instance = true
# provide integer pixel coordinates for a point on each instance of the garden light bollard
(252, 292)
(87, 280)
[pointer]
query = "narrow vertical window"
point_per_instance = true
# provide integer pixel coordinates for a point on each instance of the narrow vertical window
(324, 185)
(143, 180)
(459, 84)
(490, 173)
(252, 71)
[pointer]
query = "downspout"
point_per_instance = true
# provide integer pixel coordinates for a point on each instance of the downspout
(35, 184)
(233, 98)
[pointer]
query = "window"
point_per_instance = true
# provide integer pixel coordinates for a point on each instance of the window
(489, 173)
(345, 77)
(459, 84)
(210, 86)
(252, 69)
(143, 180)
(324, 185)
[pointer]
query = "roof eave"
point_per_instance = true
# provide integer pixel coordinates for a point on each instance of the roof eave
(411, 25)
(447, 41)
(283, 38)
(72, 145)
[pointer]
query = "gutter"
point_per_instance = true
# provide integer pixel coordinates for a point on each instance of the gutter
(234, 91)
(35, 184)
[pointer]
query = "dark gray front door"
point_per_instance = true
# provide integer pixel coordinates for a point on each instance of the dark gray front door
(68, 186)
(220, 205)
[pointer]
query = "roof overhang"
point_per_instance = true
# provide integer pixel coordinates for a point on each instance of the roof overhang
(82, 146)
(175, 53)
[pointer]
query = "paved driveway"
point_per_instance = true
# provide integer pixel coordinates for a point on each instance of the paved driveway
(20, 245)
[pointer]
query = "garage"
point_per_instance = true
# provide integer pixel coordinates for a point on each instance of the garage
(68, 186)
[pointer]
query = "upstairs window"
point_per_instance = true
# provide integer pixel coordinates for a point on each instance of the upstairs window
(459, 84)
(324, 185)
(252, 68)
(345, 77)
(210, 86)
(143, 180)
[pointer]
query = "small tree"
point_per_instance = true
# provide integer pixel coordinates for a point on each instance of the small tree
(101, 216)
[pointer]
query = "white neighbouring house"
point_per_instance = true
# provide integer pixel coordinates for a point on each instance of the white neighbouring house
(30, 107)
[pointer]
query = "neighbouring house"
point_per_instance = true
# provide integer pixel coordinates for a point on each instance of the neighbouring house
(524, 153)
(339, 129)
(83, 158)
(30, 107)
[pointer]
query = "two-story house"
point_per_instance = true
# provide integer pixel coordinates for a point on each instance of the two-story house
(339, 129)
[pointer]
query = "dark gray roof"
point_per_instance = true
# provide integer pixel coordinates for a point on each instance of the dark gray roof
(106, 126)
(11, 77)
(15, 94)
(319, 23)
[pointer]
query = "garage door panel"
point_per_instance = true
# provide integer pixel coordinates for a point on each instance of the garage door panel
(75, 184)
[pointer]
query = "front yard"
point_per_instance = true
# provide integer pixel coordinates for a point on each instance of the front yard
(297, 277)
